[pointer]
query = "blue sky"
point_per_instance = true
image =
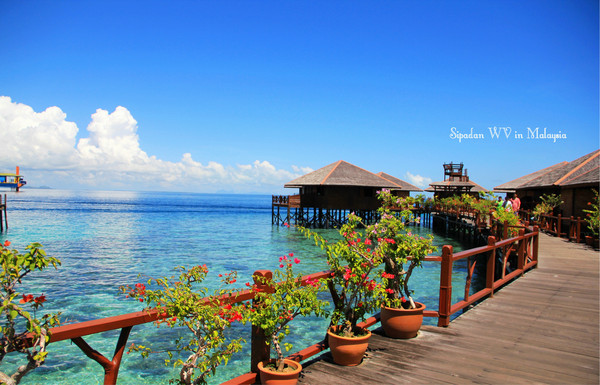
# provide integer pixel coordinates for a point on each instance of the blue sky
(243, 96)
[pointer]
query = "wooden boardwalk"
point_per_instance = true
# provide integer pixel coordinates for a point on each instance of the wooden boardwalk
(542, 328)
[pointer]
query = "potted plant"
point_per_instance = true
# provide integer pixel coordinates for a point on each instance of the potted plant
(401, 316)
(593, 220)
(182, 301)
(278, 300)
(354, 290)
(33, 339)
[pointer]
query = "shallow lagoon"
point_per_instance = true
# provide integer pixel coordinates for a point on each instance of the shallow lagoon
(106, 239)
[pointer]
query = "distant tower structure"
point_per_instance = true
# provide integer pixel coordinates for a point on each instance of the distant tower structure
(456, 182)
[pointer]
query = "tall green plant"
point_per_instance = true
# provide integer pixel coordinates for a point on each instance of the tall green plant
(552, 200)
(31, 341)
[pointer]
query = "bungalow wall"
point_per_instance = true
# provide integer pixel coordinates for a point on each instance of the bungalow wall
(575, 199)
(340, 197)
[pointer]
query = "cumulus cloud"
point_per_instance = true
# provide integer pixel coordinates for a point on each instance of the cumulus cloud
(418, 180)
(110, 156)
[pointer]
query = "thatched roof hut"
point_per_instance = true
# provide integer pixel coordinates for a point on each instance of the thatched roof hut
(573, 180)
(342, 185)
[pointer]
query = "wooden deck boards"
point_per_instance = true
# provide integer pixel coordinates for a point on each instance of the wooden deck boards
(542, 328)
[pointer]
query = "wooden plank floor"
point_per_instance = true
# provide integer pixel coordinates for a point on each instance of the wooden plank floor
(542, 328)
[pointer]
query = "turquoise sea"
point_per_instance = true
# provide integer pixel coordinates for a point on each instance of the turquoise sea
(105, 239)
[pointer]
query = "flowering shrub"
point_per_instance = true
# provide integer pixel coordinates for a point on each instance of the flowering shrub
(354, 285)
(277, 304)
(182, 301)
(33, 339)
(397, 247)
(593, 215)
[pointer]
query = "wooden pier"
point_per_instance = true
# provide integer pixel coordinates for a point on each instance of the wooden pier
(540, 329)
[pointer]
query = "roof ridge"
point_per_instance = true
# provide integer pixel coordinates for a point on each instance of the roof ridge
(391, 181)
(577, 167)
(585, 173)
(332, 170)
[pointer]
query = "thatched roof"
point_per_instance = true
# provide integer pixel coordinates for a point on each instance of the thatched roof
(405, 186)
(448, 185)
(580, 172)
(342, 173)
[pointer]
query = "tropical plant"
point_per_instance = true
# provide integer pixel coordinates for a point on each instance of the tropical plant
(541, 209)
(354, 289)
(183, 301)
(33, 339)
(277, 304)
(593, 215)
(397, 247)
(552, 200)
(359, 284)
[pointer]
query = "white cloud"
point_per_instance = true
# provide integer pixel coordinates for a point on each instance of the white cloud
(418, 180)
(44, 146)
(32, 139)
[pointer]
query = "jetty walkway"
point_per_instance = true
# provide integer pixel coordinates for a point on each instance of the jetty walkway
(543, 328)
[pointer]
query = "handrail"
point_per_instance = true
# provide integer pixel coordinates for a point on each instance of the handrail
(525, 246)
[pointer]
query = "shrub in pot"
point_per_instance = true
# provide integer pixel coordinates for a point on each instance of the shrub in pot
(401, 252)
(354, 287)
(278, 300)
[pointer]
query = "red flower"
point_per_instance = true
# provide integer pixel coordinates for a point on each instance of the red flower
(26, 298)
(296, 261)
(40, 300)
(6, 243)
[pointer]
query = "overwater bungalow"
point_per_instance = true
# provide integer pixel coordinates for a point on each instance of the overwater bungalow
(456, 182)
(327, 195)
(574, 181)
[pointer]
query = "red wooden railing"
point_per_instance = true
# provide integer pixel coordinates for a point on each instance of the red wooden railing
(565, 227)
(524, 247)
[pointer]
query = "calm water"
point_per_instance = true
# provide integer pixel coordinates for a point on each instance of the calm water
(106, 239)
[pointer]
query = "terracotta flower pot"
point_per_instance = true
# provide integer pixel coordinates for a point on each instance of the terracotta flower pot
(347, 351)
(402, 323)
(290, 377)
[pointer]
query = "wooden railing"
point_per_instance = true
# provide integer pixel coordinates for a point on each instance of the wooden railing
(286, 200)
(523, 248)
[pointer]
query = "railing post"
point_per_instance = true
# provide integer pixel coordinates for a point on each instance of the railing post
(578, 229)
(521, 252)
(260, 350)
(536, 243)
(505, 230)
(558, 232)
(445, 286)
(491, 266)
